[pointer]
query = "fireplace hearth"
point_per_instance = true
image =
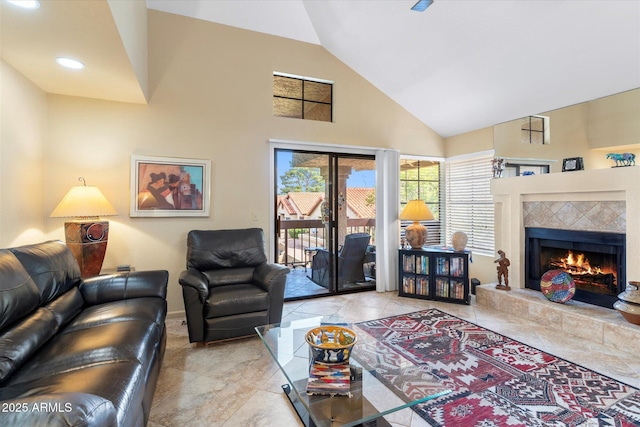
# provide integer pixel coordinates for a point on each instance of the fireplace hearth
(595, 260)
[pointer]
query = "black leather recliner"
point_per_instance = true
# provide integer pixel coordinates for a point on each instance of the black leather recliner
(228, 287)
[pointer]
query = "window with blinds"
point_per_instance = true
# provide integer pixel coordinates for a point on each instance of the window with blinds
(421, 179)
(469, 204)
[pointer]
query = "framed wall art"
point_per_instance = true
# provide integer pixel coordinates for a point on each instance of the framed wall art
(169, 187)
(572, 164)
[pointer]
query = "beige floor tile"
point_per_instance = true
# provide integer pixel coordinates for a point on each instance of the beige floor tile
(236, 383)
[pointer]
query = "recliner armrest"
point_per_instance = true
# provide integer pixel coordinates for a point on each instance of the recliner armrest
(120, 286)
(266, 274)
(196, 280)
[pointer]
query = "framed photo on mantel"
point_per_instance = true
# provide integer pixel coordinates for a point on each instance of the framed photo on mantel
(169, 187)
(572, 164)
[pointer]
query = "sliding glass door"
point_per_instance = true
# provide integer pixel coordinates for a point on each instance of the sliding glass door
(325, 221)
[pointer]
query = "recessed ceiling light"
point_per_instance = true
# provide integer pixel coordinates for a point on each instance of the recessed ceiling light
(70, 63)
(26, 4)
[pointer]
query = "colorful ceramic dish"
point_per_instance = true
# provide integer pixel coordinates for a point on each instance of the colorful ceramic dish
(331, 343)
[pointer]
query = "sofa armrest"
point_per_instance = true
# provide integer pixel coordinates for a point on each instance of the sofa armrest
(120, 286)
(65, 409)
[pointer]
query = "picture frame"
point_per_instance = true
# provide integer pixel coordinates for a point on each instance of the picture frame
(572, 164)
(169, 187)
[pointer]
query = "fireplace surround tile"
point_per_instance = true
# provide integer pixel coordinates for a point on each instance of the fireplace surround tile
(585, 207)
(569, 214)
(607, 216)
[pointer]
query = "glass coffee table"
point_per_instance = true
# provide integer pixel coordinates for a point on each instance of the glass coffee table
(370, 399)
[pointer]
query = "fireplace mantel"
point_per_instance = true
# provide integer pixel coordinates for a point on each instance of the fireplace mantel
(620, 186)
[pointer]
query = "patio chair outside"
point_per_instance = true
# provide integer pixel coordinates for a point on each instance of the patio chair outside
(350, 261)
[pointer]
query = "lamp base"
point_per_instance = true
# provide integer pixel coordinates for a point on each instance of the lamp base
(416, 235)
(87, 240)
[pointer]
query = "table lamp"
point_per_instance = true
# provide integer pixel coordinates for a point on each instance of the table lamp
(87, 234)
(416, 233)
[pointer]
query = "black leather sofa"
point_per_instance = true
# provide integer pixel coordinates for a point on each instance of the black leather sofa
(77, 352)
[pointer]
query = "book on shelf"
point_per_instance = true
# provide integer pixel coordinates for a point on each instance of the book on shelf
(422, 285)
(442, 266)
(329, 379)
(442, 287)
(408, 263)
(457, 266)
(457, 289)
(422, 264)
(409, 284)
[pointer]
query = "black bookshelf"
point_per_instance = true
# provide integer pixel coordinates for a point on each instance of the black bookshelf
(438, 274)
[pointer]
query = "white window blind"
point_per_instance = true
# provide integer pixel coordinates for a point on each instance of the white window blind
(469, 204)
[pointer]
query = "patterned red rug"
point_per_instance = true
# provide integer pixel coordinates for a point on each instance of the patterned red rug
(496, 381)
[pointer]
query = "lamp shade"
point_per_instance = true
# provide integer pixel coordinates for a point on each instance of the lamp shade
(416, 210)
(83, 201)
(86, 235)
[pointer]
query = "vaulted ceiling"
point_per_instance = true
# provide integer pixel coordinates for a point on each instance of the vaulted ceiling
(460, 65)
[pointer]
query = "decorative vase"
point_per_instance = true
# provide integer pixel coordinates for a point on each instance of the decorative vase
(628, 303)
(459, 240)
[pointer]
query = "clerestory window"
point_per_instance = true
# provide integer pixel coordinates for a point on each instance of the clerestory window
(535, 130)
(302, 98)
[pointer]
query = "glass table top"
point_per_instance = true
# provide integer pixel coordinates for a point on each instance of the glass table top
(370, 398)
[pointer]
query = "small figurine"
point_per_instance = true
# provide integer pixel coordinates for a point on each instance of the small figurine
(503, 271)
(498, 167)
(624, 159)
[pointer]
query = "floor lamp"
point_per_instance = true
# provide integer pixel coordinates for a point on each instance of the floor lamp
(86, 235)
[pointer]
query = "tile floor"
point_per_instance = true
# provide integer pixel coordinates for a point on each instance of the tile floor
(237, 384)
(300, 285)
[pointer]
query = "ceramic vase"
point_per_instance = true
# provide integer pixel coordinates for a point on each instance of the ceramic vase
(459, 240)
(628, 303)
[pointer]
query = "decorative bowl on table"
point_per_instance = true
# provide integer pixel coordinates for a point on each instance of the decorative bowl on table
(331, 343)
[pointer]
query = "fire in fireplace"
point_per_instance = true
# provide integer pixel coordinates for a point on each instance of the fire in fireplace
(595, 260)
(598, 277)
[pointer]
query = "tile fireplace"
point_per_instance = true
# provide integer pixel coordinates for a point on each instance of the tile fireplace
(596, 200)
(595, 260)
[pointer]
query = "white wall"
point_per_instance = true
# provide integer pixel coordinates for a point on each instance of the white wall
(210, 98)
(23, 130)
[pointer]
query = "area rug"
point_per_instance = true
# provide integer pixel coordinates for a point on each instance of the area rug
(495, 380)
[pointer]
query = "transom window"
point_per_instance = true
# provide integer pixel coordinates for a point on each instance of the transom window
(535, 130)
(302, 98)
